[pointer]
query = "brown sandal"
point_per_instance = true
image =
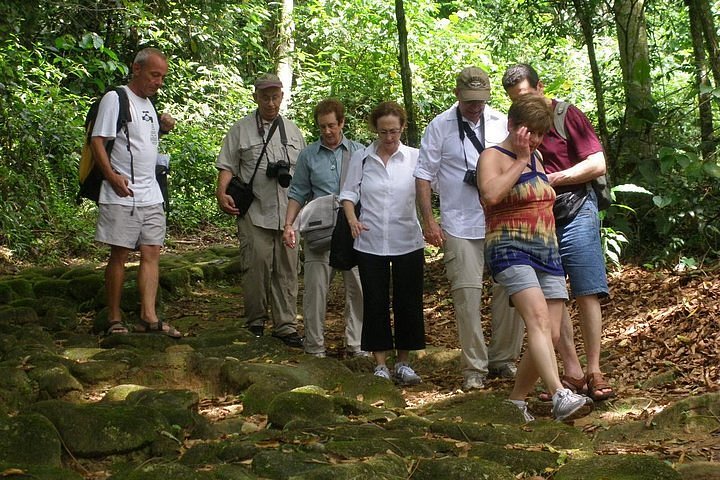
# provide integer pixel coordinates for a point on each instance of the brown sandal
(158, 328)
(598, 388)
(576, 385)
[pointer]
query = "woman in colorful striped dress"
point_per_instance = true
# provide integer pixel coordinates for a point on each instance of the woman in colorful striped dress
(521, 248)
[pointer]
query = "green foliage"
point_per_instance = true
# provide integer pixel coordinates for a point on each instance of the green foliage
(56, 57)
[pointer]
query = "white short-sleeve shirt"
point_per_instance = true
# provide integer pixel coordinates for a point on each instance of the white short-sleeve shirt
(143, 133)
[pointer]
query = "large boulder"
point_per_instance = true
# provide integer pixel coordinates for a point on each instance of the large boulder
(97, 430)
(29, 440)
(617, 467)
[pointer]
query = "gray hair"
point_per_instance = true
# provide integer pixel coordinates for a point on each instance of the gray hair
(143, 55)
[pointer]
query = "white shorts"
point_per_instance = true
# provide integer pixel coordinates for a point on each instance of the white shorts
(129, 227)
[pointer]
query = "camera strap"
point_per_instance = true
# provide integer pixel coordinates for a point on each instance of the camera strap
(463, 129)
(283, 138)
(273, 127)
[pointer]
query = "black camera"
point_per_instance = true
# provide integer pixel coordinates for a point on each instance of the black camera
(470, 177)
(281, 170)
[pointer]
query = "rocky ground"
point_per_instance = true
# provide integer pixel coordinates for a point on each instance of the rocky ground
(220, 404)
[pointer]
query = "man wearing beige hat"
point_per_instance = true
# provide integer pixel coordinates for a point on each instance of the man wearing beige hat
(261, 149)
(449, 151)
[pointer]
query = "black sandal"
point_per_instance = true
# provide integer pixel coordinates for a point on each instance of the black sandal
(157, 328)
(116, 328)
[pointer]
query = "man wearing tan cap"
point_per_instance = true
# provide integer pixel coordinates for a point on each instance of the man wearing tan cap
(449, 152)
(262, 149)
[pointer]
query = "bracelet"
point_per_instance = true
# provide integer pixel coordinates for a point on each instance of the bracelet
(287, 225)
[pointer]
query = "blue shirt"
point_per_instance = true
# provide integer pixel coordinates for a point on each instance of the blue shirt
(317, 172)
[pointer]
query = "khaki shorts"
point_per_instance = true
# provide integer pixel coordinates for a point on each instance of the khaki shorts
(130, 227)
(520, 277)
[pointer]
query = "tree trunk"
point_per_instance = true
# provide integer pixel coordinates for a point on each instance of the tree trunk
(701, 79)
(635, 148)
(711, 39)
(584, 13)
(286, 46)
(413, 138)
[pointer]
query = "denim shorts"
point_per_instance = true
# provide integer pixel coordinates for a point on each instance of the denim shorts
(581, 251)
(521, 277)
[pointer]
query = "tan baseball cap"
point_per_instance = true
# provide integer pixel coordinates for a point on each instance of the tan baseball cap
(267, 80)
(473, 84)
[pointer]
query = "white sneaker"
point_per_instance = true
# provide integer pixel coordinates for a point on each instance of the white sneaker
(504, 370)
(522, 406)
(565, 403)
(473, 381)
(317, 355)
(359, 353)
(382, 372)
(404, 375)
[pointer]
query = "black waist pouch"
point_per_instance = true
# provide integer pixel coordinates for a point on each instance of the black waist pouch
(242, 194)
(568, 204)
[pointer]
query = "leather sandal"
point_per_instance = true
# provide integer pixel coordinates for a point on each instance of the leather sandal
(116, 328)
(598, 388)
(576, 385)
(158, 328)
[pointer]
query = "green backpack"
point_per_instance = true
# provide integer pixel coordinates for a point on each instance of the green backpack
(600, 184)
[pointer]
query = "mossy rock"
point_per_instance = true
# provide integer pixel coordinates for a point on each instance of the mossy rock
(29, 440)
(81, 354)
(284, 464)
(385, 466)
(16, 388)
(86, 287)
(54, 313)
(220, 337)
(227, 251)
(699, 470)
(234, 267)
(41, 472)
(6, 293)
(412, 423)
(81, 271)
(232, 472)
(59, 318)
(230, 450)
(51, 288)
(697, 413)
(516, 460)
(97, 430)
(212, 271)
(480, 407)
(552, 433)
(300, 405)
(22, 287)
(18, 315)
(257, 397)
(617, 467)
(178, 406)
(363, 448)
(176, 280)
(352, 407)
(130, 299)
(54, 381)
(95, 371)
(146, 342)
(460, 469)
(119, 393)
(159, 469)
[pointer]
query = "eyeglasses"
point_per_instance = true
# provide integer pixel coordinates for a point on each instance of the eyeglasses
(389, 133)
